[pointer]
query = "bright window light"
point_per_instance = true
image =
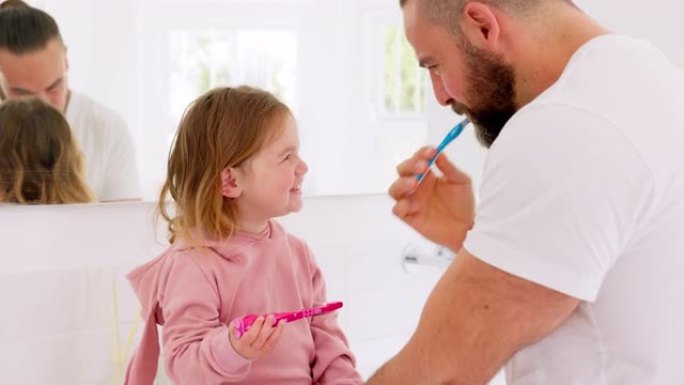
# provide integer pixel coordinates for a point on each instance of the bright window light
(202, 60)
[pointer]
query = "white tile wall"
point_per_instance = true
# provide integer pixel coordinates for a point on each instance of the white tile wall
(69, 316)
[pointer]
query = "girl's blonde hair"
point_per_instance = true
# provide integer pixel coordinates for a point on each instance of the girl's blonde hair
(222, 128)
(40, 161)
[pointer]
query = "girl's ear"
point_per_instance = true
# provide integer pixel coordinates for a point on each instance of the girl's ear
(229, 186)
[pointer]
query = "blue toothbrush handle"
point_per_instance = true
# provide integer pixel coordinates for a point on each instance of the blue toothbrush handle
(450, 136)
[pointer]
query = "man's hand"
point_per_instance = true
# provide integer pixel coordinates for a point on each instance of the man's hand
(442, 209)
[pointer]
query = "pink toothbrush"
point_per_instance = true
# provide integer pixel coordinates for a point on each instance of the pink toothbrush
(243, 324)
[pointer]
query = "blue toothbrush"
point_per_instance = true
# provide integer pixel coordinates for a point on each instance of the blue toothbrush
(453, 134)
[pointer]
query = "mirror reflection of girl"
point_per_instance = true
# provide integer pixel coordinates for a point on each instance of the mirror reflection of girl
(233, 167)
(40, 161)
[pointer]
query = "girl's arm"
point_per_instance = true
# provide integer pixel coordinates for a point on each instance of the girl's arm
(197, 349)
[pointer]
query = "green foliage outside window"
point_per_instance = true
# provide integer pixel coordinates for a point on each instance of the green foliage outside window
(404, 81)
(202, 60)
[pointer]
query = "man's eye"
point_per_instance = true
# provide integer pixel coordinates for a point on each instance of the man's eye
(434, 68)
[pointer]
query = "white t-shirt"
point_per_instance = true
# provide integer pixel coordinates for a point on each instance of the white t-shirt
(111, 168)
(583, 193)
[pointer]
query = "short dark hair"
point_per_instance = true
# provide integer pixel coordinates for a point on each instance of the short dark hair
(25, 29)
(446, 12)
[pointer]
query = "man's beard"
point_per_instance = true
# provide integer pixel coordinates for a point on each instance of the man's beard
(490, 90)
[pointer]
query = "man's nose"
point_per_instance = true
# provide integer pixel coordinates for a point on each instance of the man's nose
(441, 94)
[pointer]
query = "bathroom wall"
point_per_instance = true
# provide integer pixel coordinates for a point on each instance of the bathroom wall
(69, 317)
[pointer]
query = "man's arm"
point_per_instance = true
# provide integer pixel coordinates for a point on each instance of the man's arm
(475, 319)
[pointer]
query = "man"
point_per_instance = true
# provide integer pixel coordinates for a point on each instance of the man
(570, 271)
(33, 63)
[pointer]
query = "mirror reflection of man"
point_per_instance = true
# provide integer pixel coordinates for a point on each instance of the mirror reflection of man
(33, 63)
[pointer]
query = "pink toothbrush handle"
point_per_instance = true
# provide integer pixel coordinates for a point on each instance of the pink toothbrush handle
(243, 324)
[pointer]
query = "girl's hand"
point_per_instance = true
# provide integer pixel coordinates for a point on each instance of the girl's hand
(259, 340)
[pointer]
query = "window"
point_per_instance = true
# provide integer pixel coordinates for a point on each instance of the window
(350, 78)
(202, 60)
(404, 81)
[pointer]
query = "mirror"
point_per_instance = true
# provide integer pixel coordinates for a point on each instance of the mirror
(343, 67)
(56, 144)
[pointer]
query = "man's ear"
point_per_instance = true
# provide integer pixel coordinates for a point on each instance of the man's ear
(2, 86)
(66, 56)
(481, 26)
(229, 186)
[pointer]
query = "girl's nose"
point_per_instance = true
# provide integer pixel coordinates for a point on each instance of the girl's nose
(302, 168)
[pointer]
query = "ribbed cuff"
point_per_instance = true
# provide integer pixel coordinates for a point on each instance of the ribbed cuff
(225, 357)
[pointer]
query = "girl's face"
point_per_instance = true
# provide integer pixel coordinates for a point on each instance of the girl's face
(269, 184)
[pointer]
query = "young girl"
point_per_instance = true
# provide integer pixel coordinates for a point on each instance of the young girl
(40, 161)
(233, 167)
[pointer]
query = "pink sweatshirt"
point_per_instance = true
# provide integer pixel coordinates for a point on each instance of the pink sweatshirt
(194, 292)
